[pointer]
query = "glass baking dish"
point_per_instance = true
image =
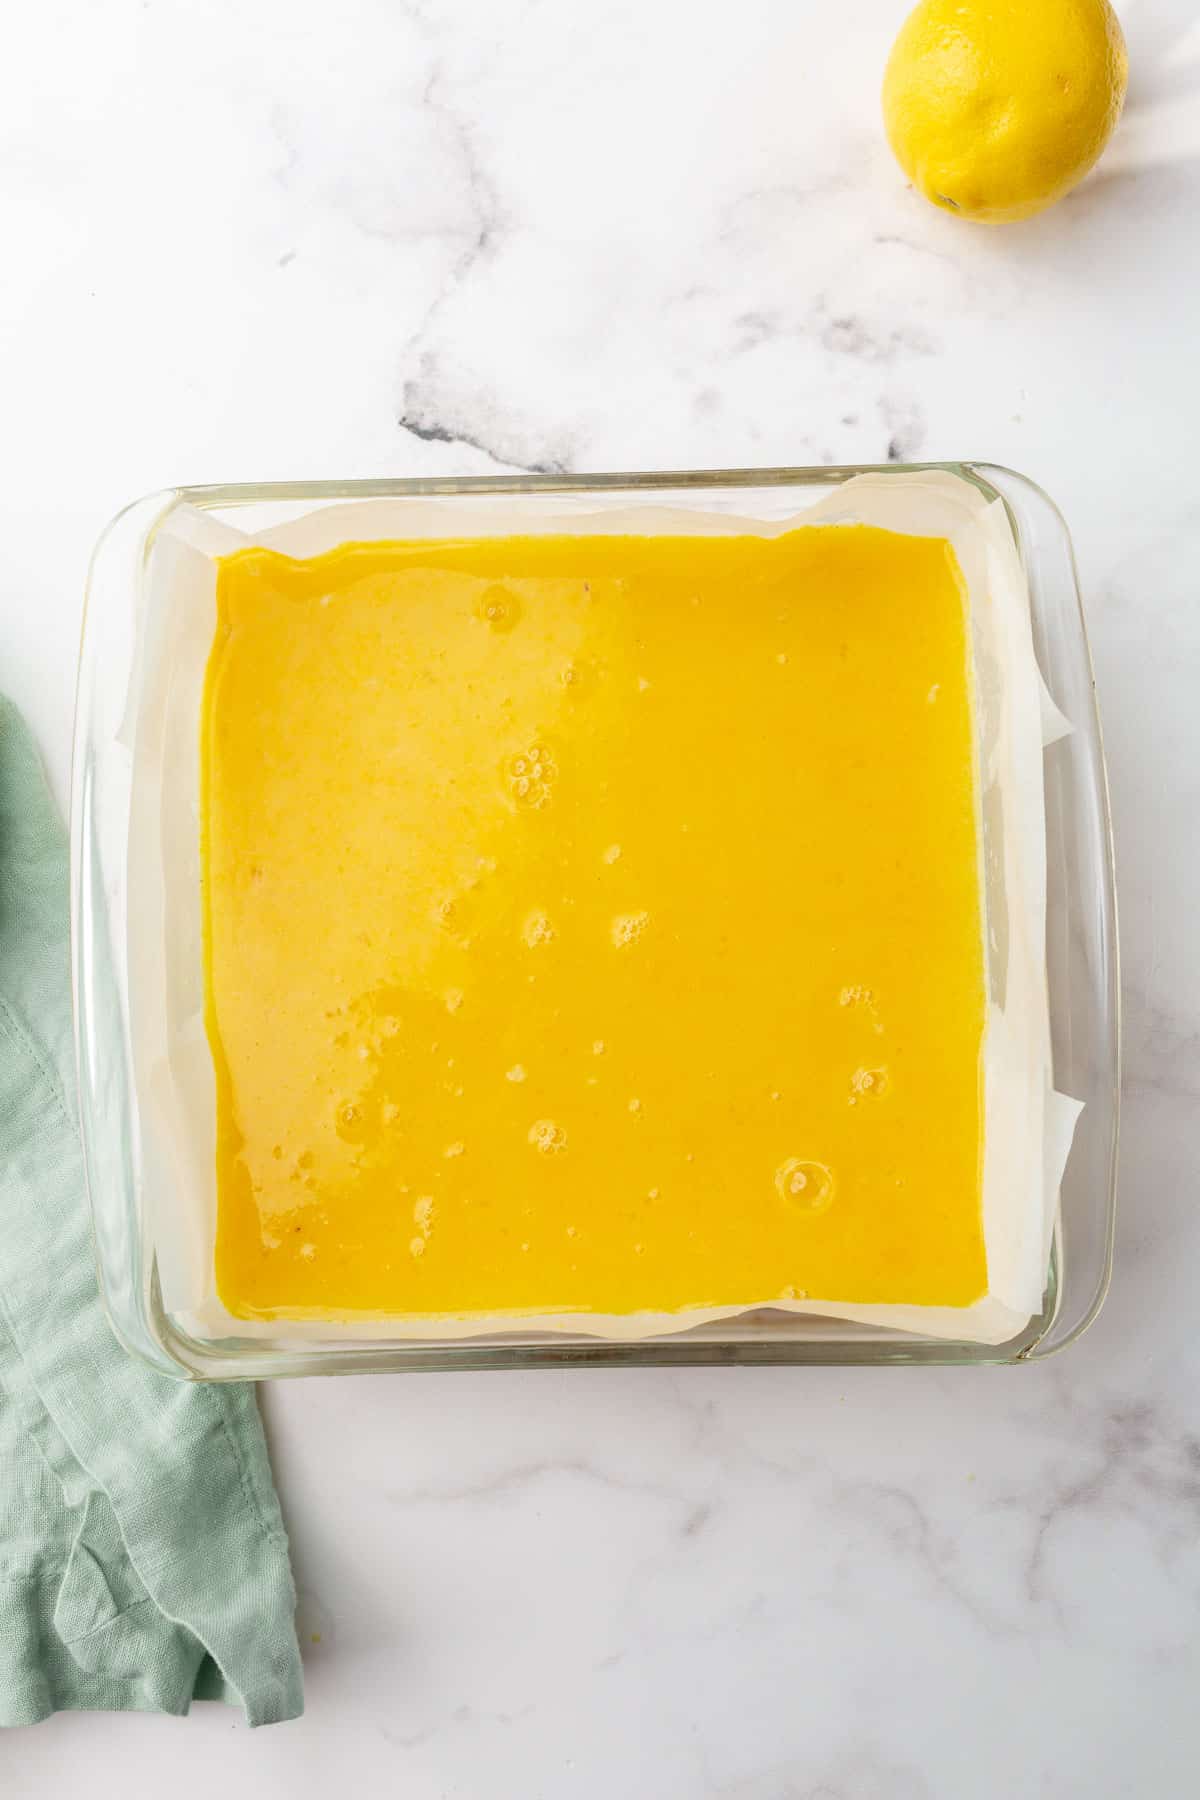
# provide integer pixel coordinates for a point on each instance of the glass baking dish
(108, 918)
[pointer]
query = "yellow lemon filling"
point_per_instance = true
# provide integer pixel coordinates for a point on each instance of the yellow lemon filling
(593, 924)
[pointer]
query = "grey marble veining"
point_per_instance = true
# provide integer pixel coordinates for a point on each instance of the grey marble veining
(385, 237)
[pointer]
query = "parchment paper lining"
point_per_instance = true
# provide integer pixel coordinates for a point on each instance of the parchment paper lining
(1028, 1126)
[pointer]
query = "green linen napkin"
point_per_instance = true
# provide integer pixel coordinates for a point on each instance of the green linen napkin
(143, 1559)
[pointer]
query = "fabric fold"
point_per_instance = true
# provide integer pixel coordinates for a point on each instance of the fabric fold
(143, 1558)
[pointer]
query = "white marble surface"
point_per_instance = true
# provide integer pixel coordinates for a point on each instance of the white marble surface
(401, 236)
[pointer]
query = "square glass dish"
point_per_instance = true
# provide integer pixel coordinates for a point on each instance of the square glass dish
(117, 912)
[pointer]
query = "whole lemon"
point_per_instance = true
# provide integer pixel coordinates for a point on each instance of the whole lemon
(996, 108)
